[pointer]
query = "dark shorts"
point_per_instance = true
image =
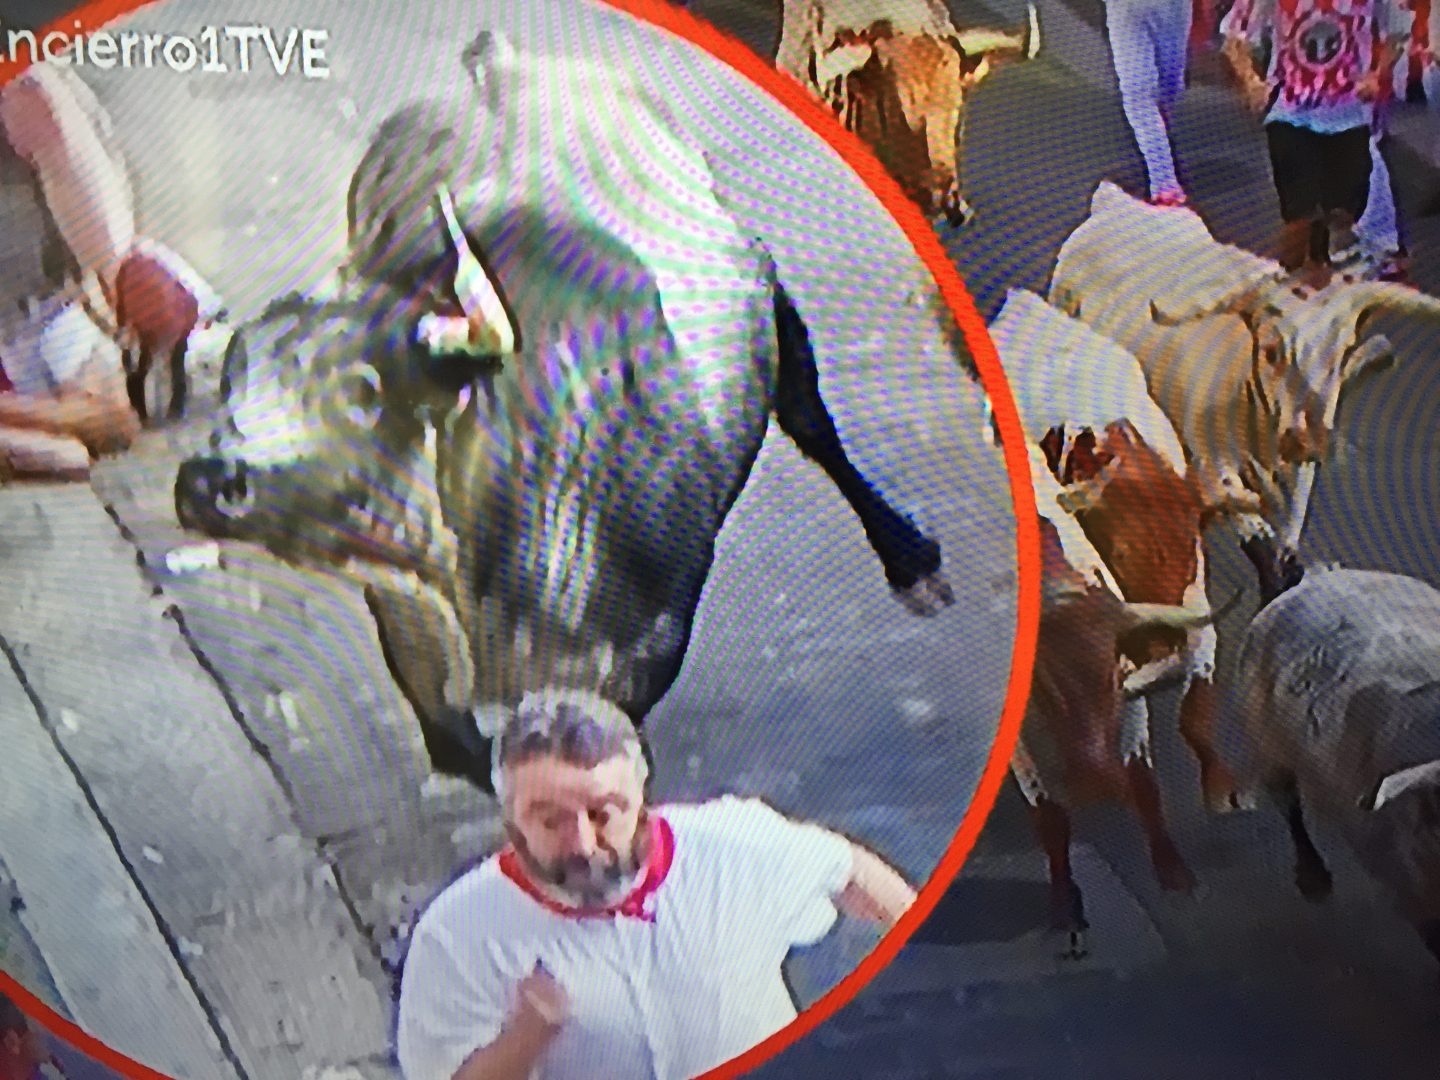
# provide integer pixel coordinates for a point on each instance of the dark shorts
(1315, 174)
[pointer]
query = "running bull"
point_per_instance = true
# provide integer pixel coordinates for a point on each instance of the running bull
(1248, 365)
(1083, 399)
(1086, 735)
(1122, 524)
(896, 74)
(1340, 691)
(590, 379)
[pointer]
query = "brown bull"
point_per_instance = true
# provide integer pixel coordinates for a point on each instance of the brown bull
(1146, 522)
(896, 74)
(1085, 734)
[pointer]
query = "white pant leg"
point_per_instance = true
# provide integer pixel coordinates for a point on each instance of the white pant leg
(1132, 27)
(1172, 49)
(1378, 228)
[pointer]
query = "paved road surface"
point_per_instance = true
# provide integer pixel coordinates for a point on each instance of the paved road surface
(234, 729)
(1243, 980)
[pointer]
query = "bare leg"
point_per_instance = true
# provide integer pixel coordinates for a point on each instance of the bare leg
(94, 409)
(85, 188)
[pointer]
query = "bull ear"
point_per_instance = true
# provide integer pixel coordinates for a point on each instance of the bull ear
(841, 60)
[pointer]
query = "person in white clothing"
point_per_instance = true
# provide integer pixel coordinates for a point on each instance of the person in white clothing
(1149, 44)
(611, 938)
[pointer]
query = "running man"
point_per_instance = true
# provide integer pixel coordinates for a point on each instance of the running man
(616, 939)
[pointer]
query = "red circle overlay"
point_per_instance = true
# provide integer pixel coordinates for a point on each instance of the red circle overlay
(921, 234)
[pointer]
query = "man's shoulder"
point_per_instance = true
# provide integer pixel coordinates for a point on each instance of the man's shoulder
(483, 885)
(737, 818)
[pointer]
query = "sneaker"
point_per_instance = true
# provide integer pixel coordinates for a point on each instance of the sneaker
(1169, 198)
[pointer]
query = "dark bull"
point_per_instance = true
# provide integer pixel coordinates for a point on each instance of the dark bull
(579, 482)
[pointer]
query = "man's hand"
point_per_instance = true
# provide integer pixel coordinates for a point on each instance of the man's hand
(875, 892)
(540, 1011)
(1368, 88)
(542, 1001)
(1256, 93)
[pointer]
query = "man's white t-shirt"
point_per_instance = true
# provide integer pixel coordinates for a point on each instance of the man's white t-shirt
(689, 982)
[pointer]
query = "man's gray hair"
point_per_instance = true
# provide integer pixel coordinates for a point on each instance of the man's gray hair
(576, 726)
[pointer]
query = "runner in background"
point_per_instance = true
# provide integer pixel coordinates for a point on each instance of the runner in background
(1149, 43)
(1380, 251)
(1330, 62)
(80, 293)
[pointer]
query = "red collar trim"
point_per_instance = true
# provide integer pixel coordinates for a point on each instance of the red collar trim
(657, 867)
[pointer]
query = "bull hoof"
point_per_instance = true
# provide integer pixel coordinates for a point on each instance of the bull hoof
(1173, 875)
(1314, 882)
(956, 212)
(1222, 793)
(1075, 947)
(1067, 917)
(928, 597)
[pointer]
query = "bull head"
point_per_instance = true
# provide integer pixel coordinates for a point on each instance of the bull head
(903, 94)
(1306, 344)
(321, 449)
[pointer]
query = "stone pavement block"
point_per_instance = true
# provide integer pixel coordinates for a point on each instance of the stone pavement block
(84, 913)
(391, 876)
(196, 813)
(20, 957)
(299, 654)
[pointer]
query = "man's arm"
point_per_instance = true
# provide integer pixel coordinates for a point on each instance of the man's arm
(875, 892)
(1390, 19)
(454, 1023)
(1247, 21)
(515, 1052)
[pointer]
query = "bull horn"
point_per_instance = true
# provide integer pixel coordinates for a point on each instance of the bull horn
(476, 290)
(1169, 616)
(1175, 616)
(1032, 33)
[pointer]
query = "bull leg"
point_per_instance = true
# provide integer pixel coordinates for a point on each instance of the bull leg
(1312, 876)
(179, 382)
(1170, 868)
(135, 383)
(1218, 786)
(428, 654)
(1052, 828)
(910, 558)
(1198, 707)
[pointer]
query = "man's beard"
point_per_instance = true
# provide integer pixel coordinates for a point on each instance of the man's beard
(600, 881)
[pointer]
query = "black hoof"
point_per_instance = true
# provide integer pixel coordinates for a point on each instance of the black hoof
(1067, 911)
(1075, 946)
(1314, 882)
(1430, 932)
